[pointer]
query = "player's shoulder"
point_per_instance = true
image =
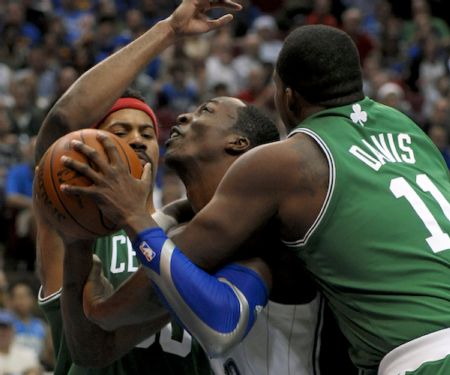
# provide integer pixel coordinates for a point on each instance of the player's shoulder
(271, 154)
(291, 158)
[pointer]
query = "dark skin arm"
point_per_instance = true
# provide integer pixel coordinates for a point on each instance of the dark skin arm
(133, 302)
(86, 344)
(90, 97)
(285, 181)
(129, 304)
(103, 347)
(80, 107)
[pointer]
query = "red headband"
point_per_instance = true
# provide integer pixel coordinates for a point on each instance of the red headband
(133, 103)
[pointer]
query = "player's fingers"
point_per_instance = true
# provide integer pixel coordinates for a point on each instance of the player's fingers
(110, 149)
(147, 175)
(77, 190)
(89, 152)
(82, 168)
(227, 4)
(215, 24)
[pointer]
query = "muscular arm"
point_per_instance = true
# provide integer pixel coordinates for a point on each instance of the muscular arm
(247, 198)
(86, 340)
(90, 97)
(89, 344)
(285, 181)
(83, 105)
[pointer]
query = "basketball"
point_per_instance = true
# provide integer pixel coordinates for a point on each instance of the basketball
(74, 215)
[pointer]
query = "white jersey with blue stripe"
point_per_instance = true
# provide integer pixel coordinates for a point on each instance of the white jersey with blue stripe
(284, 340)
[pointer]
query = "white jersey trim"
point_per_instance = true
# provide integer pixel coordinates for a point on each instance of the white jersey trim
(49, 298)
(411, 355)
(331, 183)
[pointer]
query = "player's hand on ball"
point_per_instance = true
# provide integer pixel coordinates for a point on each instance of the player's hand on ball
(116, 192)
(191, 16)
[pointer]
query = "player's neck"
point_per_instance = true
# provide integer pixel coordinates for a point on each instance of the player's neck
(201, 182)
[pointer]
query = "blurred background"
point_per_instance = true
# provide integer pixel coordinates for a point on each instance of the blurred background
(45, 45)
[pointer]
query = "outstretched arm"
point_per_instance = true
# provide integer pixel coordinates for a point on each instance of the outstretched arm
(90, 97)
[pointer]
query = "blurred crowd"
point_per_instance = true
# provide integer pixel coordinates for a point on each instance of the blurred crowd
(45, 45)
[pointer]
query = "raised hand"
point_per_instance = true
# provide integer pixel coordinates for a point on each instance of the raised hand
(191, 16)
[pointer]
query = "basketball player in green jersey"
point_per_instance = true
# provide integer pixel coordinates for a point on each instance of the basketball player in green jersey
(360, 194)
(172, 348)
(170, 351)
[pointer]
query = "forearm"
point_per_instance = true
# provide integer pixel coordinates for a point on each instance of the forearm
(218, 309)
(49, 254)
(90, 97)
(89, 344)
(85, 340)
(133, 302)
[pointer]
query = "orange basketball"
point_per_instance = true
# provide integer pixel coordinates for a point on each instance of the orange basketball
(77, 216)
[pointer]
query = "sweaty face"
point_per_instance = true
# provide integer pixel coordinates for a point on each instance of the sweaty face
(136, 128)
(202, 134)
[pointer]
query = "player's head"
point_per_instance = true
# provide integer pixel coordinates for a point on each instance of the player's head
(318, 66)
(222, 127)
(133, 120)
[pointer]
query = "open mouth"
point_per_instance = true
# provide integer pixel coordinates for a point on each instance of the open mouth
(174, 132)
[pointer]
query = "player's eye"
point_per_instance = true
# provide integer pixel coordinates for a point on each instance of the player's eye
(148, 135)
(205, 108)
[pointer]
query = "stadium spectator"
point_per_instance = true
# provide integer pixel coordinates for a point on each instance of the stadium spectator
(14, 358)
(30, 330)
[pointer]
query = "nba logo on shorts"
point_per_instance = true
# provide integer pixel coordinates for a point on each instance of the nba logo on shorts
(147, 251)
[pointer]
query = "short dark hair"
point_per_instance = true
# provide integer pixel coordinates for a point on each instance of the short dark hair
(256, 125)
(133, 93)
(321, 63)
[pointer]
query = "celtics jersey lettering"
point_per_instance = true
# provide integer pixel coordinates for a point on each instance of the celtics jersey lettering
(174, 349)
(380, 248)
(171, 351)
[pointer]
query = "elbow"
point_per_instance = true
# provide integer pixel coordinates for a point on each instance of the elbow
(55, 125)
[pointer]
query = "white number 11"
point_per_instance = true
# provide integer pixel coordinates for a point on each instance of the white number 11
(439, 240)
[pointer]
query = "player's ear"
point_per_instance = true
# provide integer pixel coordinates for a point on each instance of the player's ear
(291, 100)
(237, 144)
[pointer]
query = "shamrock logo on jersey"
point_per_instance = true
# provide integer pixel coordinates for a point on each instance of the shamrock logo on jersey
(358, 116)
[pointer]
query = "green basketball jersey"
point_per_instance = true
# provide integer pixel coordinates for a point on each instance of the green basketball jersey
(170, 352)
(380, 248)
